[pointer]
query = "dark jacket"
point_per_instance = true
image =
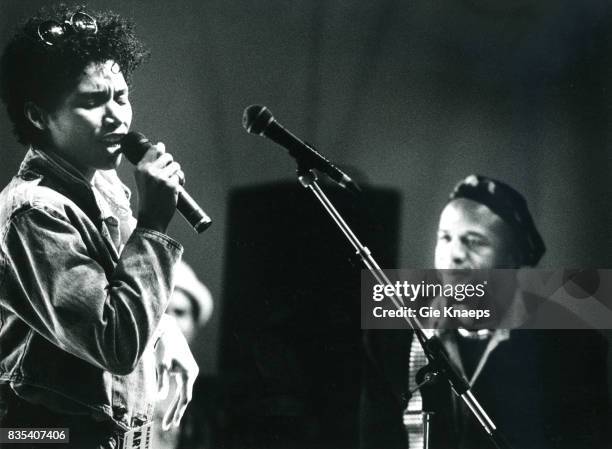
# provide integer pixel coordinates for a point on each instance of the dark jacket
(542, 388)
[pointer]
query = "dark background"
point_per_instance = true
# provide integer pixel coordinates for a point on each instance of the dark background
(414, 95)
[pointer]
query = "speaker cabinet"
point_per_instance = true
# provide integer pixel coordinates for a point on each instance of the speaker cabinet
(290, 352)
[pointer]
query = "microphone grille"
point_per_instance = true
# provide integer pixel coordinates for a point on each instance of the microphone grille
(134, 145)
(256, 118)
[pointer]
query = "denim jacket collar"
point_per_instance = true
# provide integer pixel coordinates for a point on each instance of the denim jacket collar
(106, 197)
(49, 164)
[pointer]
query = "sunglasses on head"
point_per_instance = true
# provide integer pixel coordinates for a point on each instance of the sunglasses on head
(51, 32)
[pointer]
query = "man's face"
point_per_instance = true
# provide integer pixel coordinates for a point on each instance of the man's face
(86, 127)
(471, 236)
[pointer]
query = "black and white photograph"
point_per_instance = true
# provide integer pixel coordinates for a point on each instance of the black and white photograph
(204, 205)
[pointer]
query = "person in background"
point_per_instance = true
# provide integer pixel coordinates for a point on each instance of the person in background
(191, 305)
(544, 389)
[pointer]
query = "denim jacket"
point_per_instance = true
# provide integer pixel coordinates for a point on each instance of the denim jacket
(80, 300)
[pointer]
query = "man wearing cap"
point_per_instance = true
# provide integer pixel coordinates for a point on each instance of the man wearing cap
(542, 388)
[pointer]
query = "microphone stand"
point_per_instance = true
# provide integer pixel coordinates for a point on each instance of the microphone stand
(439, 365)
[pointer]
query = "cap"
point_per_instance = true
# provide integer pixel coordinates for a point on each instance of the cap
(510, 206)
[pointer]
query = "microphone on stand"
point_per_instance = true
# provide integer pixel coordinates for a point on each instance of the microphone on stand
(258, 119)
(134, 145)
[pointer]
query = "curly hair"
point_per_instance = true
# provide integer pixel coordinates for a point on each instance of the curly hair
(32, 71)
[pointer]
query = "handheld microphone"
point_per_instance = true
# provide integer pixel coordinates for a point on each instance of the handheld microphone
(134, 145)
(258, 119)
